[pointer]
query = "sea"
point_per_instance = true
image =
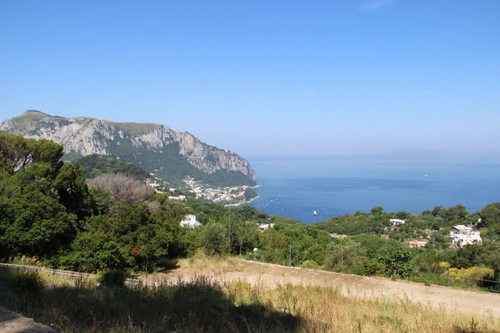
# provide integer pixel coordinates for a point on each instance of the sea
(316, 188)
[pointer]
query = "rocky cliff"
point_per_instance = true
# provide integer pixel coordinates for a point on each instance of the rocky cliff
(170, 155)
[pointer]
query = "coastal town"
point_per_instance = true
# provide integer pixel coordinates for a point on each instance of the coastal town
(230, 196)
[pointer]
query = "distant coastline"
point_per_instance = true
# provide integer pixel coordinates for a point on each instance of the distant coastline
(243, 202)
(335, 186)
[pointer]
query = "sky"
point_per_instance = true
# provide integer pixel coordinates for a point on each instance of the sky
(265, 77)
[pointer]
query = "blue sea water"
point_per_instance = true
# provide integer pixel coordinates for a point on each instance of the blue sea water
(295, 187)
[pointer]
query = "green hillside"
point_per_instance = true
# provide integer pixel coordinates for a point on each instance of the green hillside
(96, 165)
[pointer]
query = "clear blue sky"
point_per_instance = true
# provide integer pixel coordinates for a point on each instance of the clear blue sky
(264, 77)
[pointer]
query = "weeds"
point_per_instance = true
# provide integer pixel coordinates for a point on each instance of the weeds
(206, 305)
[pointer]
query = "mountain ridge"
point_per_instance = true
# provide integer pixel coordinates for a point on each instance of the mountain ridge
(169, 155)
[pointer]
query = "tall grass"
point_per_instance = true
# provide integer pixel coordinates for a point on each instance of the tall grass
(205, 305)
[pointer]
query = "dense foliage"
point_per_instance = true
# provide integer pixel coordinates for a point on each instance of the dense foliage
(96, 165)
(178, 165)
(50, 212)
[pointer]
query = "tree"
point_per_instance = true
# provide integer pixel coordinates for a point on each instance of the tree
(490, 214)
(372, 244)
(342, 256)
(100, 202)
(134, 238)
(490, 257)
(39, 198)
(35, 224)
(176, 209)
(378, 210)
(439, 211)
(213, 238)
(465, 257)
(457, 212)
(402, 214)
(243, 234)
(92, 252)
(71, 187)
(15, 152)
(123, 189)
(396, 259)
(170, 236)
(272, 246)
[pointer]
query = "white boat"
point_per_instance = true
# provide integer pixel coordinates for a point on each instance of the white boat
(315, 213)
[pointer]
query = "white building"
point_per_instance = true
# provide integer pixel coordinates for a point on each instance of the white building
(461, 235)
(189, 221)
(264, 227)
(396, 222)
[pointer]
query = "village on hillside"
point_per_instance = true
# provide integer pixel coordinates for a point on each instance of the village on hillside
(229, 195)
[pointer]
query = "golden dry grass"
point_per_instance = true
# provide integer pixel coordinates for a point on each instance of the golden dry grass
(230, 295)
(332, 302)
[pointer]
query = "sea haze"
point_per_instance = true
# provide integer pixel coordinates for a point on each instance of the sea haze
(295, 187)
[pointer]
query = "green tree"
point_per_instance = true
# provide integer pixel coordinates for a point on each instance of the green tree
(177, 209)
(378, 210)
(92, 252)
(458, 212)
(170, 236)
(100, 202)
(490, 257)
(15, 152)
(72, 189)
(243, 235)
(490, 214)
(402, 214)
(213, 238)
(344, 255)
(439, 211)
(464, 257)
(397, 260)
(35, 224)
(273, 246)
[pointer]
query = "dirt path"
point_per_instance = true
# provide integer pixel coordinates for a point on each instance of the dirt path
(470, 302)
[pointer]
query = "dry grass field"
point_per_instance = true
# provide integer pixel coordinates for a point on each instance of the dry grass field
(207, 294)
(469, 302)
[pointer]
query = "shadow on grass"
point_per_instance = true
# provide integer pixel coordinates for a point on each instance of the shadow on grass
(196, 306)
(166, 265)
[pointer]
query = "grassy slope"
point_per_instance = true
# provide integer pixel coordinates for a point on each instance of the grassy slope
(213, 302)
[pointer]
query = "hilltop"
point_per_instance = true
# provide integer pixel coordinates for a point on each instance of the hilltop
(168, 155)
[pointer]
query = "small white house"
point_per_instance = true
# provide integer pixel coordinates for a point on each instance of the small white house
(264, 227)
(461, 235)
(396, 222)
(189, 221)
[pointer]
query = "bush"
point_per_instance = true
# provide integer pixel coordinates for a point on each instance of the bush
(112, 278)
(27, 281)
(310, 264)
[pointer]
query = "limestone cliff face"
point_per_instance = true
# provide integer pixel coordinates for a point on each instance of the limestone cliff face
(85, 136)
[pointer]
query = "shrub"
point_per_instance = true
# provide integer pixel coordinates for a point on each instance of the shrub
(27, 281)
(310, 264)
(112, 278)
(469, 275)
